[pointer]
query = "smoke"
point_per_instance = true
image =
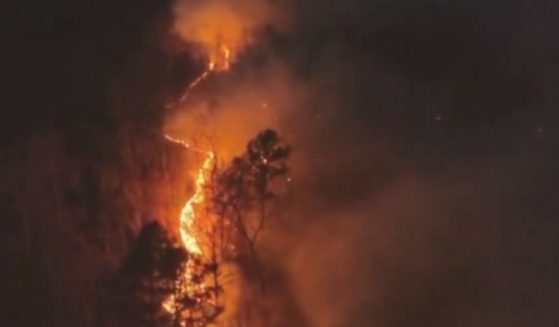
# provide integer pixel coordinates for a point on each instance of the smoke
(230, 109)
(216, 23)
(418, 184)
(431, 249)
(423, 173)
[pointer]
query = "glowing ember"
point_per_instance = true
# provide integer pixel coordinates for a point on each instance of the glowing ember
(169, 304)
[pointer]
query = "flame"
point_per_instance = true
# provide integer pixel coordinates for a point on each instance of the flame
(188, 216)
(183, 143)
(219, 60)
(169, 304)
(188, 223)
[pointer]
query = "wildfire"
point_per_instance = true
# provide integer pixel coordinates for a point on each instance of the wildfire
(219, 60)
(189, 220)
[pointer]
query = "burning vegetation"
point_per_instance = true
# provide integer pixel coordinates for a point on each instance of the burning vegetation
(219, 225)
(163, 282)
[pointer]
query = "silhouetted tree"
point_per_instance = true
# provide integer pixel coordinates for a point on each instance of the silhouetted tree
(148, 277)
(242, 190)
(158, 271)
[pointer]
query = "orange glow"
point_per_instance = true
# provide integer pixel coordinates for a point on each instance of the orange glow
(220, 59)
(214, 26)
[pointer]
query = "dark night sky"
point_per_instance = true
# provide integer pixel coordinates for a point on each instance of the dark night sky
(463, 94)
(431, 39)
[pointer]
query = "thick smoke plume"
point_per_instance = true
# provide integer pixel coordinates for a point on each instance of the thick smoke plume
(214, 24)
(400, 215)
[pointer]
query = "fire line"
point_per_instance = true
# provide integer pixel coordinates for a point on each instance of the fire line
(218, 61)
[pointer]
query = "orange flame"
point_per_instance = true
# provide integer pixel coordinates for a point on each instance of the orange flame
(219, 60)
(188, 214)
(188, 223)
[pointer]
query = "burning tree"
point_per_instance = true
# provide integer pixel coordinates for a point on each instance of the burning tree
(194, 302)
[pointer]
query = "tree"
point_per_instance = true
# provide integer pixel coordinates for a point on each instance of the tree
(242, 191)
(148, 277)
(160, 284)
